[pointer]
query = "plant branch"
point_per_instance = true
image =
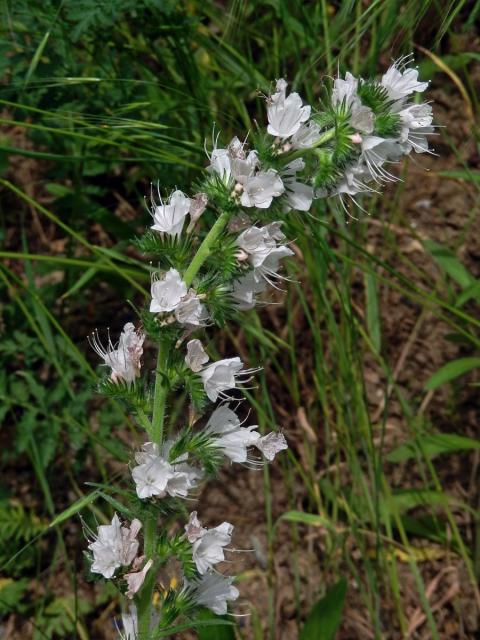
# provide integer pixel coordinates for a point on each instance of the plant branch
(205, 248)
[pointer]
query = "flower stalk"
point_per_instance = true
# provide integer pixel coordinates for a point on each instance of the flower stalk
(334, 152)
(206, 247)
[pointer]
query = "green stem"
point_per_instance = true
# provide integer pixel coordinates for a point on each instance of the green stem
(151, 520)
(160, 396)
(205, 248)
(144, 600)
(300, 153)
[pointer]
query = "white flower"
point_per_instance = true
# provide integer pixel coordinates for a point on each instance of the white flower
(260, 189)
(245, 289)
(375, 152)
(114, 546)
(184, 478)
(213, 590)
(124, 359)
(268, 270)
(151, 478)
(222, 375)
(345, 96)
(242, 165)
(306, 136)
(191, 311)
(196, 355)
(257, 242)
(198, 204)
(362, 118)
(260, 246)
(156, 476)
(271, 444)
(230, 436)
(193, 528)
(285, 115)
(233, 163)
(345, 91)
(135, 579)
(129, 624)
(416, 120)
(298, 195)
(170, 218)
(207, 544)
(167, 292)
(354, 180)
(220, 164)
(400, 81)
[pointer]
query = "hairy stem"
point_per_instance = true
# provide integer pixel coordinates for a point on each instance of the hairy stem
(328, 135)
(205, 248)
(144, 601)
(160, 395)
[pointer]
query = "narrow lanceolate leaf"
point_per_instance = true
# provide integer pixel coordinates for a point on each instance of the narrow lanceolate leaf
(461, 174)
(406, 499)
(432, 445)
(75, 508)
(325, 616)
(449, 262)
(311, 519)
(452, 370)
(373, 316)
(224, 630)
(472, 291)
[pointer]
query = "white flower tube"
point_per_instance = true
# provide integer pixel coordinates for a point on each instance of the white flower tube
(123, 359)
(229, 435)
(114, 546)
(213, 591)
(285, 115)
(207, 544)
(169, 218)
(167, 291)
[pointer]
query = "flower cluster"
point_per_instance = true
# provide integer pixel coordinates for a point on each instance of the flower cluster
(382, 123)
(204, 278)
(170, 294)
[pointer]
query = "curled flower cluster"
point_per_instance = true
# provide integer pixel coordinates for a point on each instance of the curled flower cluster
(382, 123)
(204, 279)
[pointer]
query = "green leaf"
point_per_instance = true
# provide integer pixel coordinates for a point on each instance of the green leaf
(432, 445)
(311, 519)
(12, 594)
(36, 57)
(404, 500)
(459, 174)
(325, 616)
(472, 291)
(449, 262)
(373, 316)
(196, 624)
(81, 282)
(450, 371)
(75, 508)
(221, 632)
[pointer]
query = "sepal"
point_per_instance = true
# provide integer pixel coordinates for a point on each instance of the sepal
(136, 395)
(194, 387)
(169, 251)
(200, 446)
